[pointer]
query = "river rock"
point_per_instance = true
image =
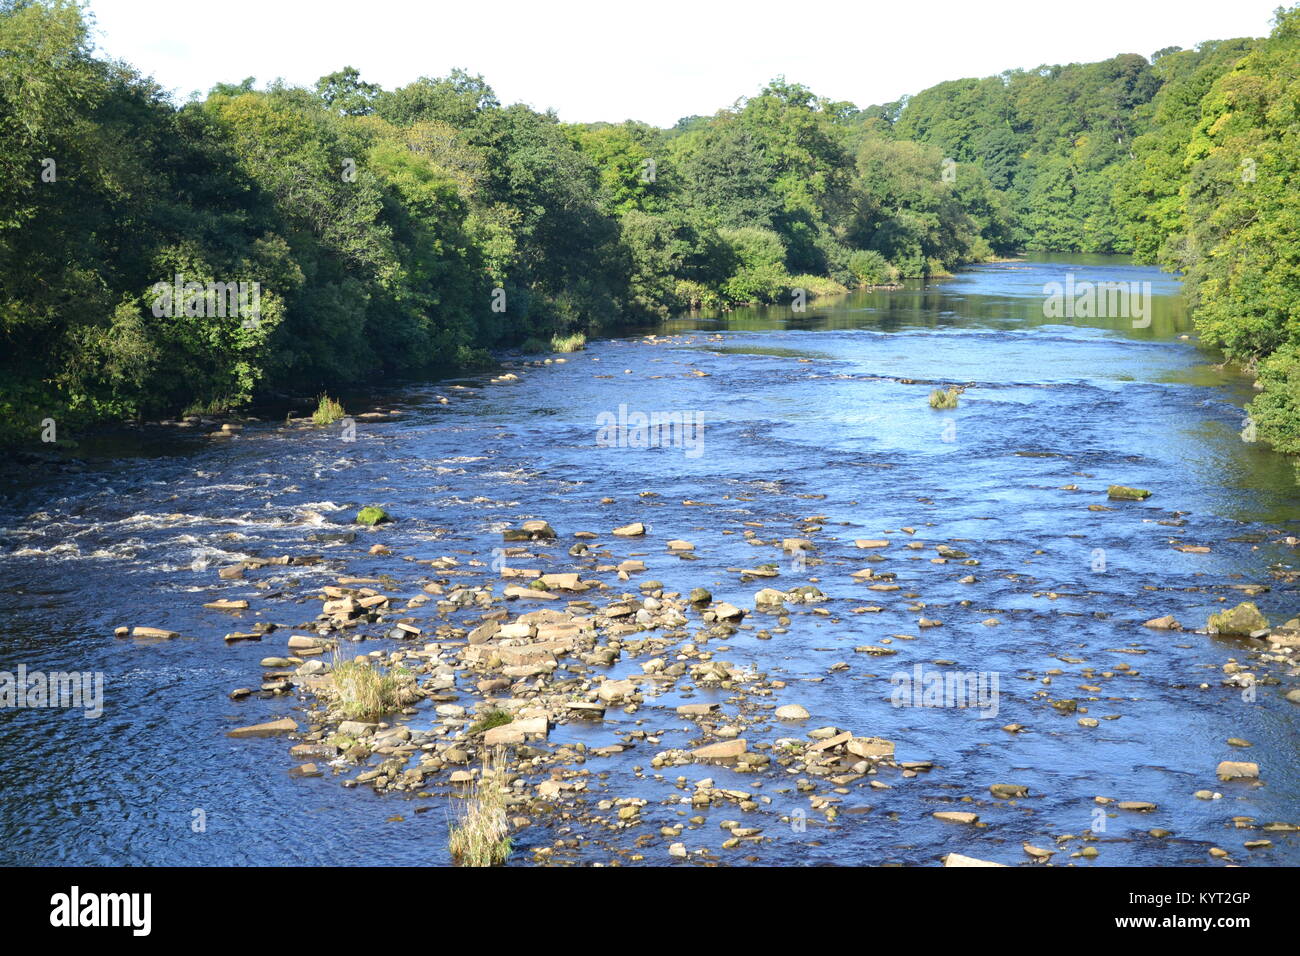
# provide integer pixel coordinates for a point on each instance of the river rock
(728, 612)
(1124, 493)
(1237, 770)
(516, 732)
(956, 816)
(286, 725)
(633, 530)
(957, 859)
(1008, 791)
(1166, 623)
(722, 750)
(867, 747)
(612, 690)
(769, 598)
(1240, 621)
(792, 712)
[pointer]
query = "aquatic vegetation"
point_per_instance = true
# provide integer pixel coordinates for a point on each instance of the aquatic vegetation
(944, 397)
(481, 835)
(493, 718)
(366, 692)
(568, 343)
(328, 411)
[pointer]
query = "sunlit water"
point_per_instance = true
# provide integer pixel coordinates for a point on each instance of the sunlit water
(819, 413)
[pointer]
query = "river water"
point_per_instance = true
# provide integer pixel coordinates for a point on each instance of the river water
(816, 419)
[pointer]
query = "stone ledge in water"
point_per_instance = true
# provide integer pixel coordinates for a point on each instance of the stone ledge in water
(957, 859)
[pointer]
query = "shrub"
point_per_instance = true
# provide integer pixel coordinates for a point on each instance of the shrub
(871, 268)
(1276, 410)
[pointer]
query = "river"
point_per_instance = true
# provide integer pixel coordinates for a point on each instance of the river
(816, 424)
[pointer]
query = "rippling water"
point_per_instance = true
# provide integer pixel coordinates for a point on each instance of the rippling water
(820, 413)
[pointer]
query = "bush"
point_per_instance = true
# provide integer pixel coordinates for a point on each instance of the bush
(1276, 410)
(871, 268)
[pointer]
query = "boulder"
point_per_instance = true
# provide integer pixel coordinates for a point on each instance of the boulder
(1240, 621)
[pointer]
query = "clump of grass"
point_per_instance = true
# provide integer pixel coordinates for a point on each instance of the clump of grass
(328, 411)
(944, 397)
(493, 718)
(481, 836)
(363, 692)
(568, 343)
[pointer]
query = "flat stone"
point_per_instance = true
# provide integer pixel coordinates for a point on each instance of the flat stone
(286, 725)
(956, 816)
(722, 750)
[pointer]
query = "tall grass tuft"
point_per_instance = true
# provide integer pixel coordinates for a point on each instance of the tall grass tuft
(944, 397)
(328, 411)
(568, 343)
(365, 692)
(481, 835)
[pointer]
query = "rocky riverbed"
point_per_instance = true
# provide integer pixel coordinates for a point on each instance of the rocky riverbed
(850, 629)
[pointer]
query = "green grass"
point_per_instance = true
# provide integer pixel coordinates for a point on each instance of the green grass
(817, 285)
(364, 692)
(481, 835)
(944, 397)
(328, 411)
(568, 343)
(493, 718)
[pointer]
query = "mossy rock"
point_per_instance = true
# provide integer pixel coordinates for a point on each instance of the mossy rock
(700, 596)
(1124, 493)
(372, 515)
(1241, 621)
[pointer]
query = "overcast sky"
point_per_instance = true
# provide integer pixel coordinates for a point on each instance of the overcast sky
(651, 60)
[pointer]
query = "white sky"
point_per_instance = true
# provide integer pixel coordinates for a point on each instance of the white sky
(651, 60)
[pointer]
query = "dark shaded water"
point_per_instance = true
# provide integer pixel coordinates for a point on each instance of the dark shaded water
(822, 413)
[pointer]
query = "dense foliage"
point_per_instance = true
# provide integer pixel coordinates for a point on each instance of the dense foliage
(395, 232)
